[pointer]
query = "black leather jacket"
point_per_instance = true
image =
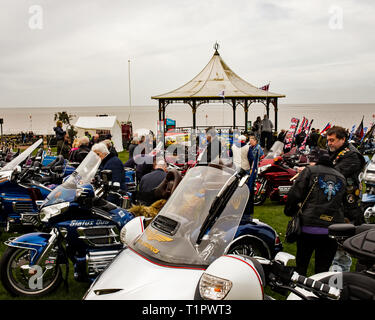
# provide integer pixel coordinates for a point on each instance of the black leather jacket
(325, 203)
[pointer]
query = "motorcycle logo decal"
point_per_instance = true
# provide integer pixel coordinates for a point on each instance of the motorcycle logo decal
(151, 235)
(149, 246)
(329, 187)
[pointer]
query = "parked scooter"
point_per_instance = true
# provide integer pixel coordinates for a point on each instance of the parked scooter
(81, 226)
(202, 220)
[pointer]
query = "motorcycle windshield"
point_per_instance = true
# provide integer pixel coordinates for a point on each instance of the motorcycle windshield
(21, 157)
(275, 151)
(84, 174)
(172, 236)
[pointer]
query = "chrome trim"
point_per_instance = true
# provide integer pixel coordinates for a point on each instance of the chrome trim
(99, 260)
(51, 242)
(87, 238)
(248, 236)
(8, 243)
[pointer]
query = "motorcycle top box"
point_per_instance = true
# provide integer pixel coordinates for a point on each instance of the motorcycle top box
(202, 220)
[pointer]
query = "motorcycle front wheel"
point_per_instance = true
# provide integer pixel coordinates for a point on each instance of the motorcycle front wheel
(260, 192)
(20, 279)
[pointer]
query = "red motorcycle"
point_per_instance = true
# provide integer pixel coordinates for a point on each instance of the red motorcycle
(275, 174)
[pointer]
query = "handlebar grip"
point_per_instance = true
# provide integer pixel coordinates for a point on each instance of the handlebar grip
(316, 285)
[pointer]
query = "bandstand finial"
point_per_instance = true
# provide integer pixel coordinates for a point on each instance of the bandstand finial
(216, 47)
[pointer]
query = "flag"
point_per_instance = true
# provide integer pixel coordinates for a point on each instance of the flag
(302, 125)
(266, 87)
(303, 145)
(359, 132)
(351, 132)
(364, 134)
(328, 126)
(221, 94)
(289, 137)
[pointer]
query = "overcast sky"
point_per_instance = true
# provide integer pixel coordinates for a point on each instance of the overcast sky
(76, 52)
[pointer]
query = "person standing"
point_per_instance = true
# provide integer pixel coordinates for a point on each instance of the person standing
(256, 128)
(348, 161)
(266, 133)
(133, 144)
(60, 134)
(322, 188)
(257, 154)
(213, 150)
(243, 160)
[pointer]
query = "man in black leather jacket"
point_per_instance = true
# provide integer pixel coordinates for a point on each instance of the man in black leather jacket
(348, 161)
(324, 188)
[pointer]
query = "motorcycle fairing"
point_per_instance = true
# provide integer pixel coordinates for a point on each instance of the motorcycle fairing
(22, 157)
(36, 242)
(144, 280)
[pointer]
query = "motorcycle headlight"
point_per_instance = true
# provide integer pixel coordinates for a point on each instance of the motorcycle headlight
(369, 215)
(47, 213)
(214, 288)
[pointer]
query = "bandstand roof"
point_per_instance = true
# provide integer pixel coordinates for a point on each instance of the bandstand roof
(215, 78)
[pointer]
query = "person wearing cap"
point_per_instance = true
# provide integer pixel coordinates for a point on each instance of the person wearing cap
(150, 181)
(324, 190)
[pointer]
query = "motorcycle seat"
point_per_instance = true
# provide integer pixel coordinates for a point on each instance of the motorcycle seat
(362, 246)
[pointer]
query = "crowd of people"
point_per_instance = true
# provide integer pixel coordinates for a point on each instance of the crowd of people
(328, 188)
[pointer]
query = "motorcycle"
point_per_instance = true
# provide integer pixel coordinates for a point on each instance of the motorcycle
(359, 285)
(201, 221)
(82, 227)
(236, 277)
(19, 193)
(368, 197)
(274, 177)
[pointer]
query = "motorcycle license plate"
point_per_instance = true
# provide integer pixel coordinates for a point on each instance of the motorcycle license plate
(284, 189)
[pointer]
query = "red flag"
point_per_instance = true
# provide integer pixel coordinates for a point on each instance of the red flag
(359, 132)
(265, 88)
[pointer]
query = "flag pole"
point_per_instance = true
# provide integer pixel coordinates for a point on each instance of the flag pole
(130, 95)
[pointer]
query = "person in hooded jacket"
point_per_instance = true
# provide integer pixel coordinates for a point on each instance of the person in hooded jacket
(324, 188)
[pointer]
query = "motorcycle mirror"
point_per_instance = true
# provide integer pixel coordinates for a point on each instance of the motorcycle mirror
(132, 230)
(106, 175)
(284, 257)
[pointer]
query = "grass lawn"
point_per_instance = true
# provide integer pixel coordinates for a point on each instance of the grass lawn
(270, 213)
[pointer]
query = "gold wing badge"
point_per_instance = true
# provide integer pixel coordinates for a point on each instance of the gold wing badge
(151, 235)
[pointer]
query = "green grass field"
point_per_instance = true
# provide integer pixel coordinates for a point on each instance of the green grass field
(270, 213)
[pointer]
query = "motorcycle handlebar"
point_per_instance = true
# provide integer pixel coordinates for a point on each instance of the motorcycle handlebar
(315, 286)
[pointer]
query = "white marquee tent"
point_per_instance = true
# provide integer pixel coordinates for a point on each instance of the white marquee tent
(94, 124)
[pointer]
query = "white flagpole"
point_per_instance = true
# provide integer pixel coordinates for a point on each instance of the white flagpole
(130, 95)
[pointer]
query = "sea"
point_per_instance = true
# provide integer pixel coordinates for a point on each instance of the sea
(40, 120)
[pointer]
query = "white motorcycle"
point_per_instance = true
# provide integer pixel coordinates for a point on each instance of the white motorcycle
(200, 230)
